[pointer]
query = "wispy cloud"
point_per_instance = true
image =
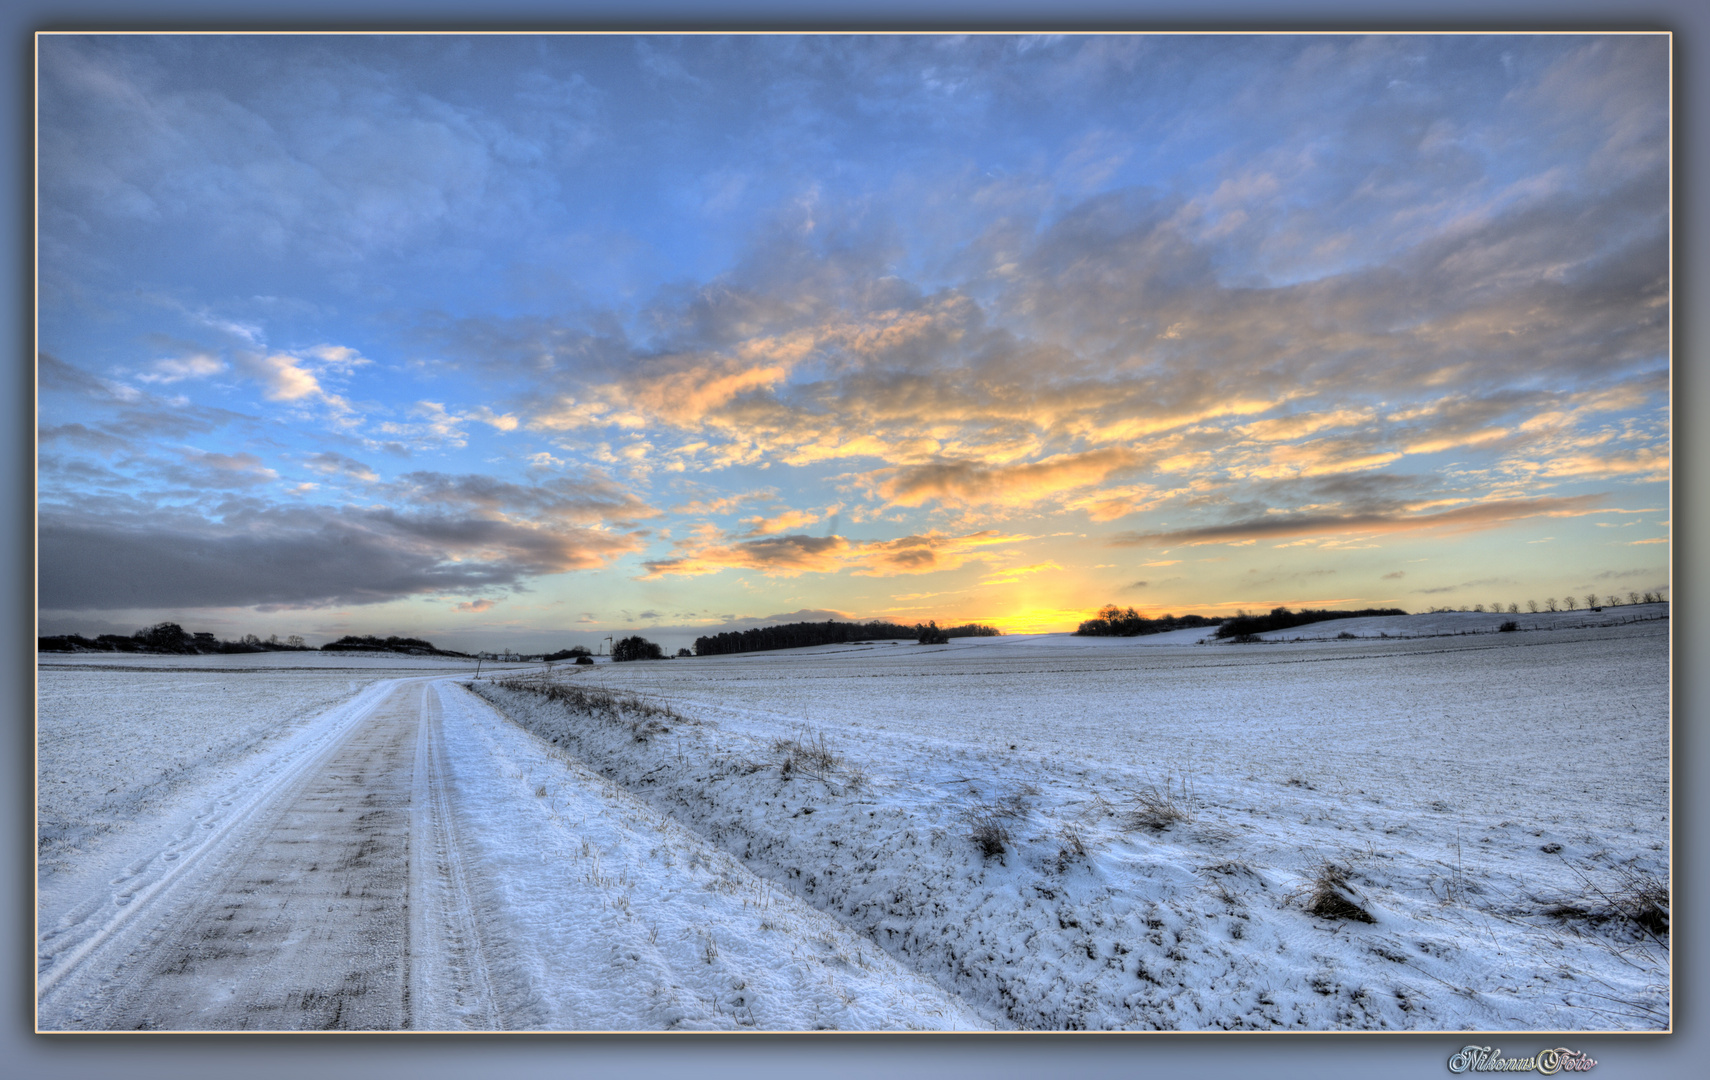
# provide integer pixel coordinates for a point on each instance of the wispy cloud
(1462, 519)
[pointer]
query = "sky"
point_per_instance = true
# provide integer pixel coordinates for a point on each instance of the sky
(524, 341)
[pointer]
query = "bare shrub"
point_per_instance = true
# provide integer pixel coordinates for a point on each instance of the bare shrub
(1330, 896)
(1509, 627)
(1158, 807)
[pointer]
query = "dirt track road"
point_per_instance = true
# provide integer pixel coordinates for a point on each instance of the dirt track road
(333, 896)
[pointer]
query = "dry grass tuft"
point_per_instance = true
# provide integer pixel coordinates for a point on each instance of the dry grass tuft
(808, 754)
(1331, 897)
(986, 821)
(1158, 807)
(989, 835)
(1637, 898)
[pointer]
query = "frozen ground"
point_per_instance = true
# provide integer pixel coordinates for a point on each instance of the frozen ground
(408, 859)
(791, 840)
(1466, 784)
(120, 737)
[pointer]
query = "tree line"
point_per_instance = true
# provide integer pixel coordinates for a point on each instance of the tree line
(167, 637)
(1112, 621)
(408, 645)
(831, 632)
(1282, 619)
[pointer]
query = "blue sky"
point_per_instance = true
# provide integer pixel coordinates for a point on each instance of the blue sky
(524, 340)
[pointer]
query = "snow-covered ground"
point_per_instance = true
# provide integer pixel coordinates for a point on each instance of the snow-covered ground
(503, 887)
(1466, 784)
(120, 737)
(621, 919)
(793, 840)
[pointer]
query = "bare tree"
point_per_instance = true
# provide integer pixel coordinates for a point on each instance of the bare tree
(1532, 606)
(1567, 601)
(1478, 608)
(1632, 598)
(1590, 599)
(1513, 608)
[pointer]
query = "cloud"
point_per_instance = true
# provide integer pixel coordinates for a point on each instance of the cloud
(207, 470)
(284, 377)
(1464, 519)
(477, 606)
(972, 482)
(177, 369)
(329, 463)
(788, 556)
(304, 557)
(1395, 575)
(584, 499)
(315, 153)
(784, 522)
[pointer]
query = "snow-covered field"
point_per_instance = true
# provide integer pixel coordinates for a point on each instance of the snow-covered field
(1466, 785)
(1039, 832)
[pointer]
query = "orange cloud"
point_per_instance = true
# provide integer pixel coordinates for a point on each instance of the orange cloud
(788, 556)
(971, 482)
(784, 522)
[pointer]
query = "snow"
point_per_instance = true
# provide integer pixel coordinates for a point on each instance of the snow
(1436, 769)
(120, 737)
(624, 920)
(1164, 808)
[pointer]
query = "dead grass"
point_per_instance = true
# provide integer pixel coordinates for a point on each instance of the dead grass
(1157, 807)
(989, 835)
(643, 717)
(1636, 898)
(1329, 895)
(986, 820)
(807, 754)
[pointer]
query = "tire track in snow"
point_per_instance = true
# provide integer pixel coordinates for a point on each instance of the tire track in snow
(331, 896)
(144, 885)
(450, 984)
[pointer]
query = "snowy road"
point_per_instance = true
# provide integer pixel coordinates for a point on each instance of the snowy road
(410, 860)
(332, 898)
